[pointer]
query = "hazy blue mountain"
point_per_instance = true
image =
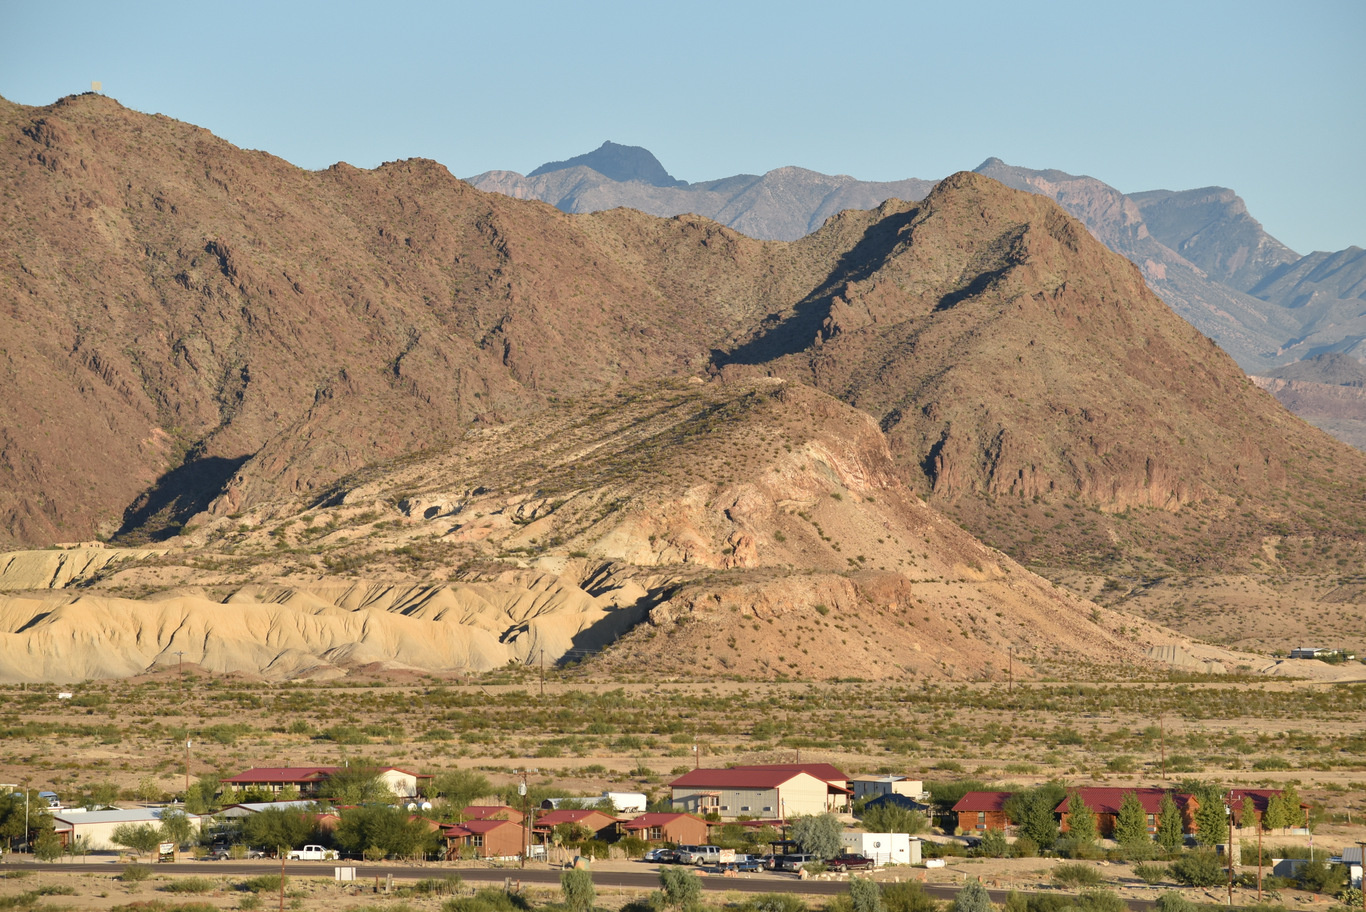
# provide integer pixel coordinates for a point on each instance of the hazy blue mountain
(619, 163)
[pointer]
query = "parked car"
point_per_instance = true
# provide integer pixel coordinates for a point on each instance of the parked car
(218, 854)
(312, 853)
(795, 862)
(700, 855)
(850, 862)
(661, 856)
(749, 863)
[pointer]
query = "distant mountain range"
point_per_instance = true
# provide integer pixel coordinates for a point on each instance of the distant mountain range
(1200, 250)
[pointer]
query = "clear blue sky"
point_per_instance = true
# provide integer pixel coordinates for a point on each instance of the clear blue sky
(1266, 98)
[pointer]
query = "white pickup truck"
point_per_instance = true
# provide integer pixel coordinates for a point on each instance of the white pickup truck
(312, 853)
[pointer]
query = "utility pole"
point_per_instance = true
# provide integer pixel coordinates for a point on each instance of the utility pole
(526, 818)
(1162, 739)
(1228, 811)
(1361, 881)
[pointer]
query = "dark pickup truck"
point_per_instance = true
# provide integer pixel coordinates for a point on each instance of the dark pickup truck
(842, 863)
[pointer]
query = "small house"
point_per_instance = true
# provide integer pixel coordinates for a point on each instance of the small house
(680, 829)
(981, 811)
(490, 838)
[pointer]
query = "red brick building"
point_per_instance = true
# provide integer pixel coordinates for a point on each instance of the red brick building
(492, 838)
(1261, 798)
(599, 824)
(680, 829)
(1105, 804)
(980, 811)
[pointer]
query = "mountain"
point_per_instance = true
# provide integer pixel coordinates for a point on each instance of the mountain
(389, 378)
(618, 163)
(1328, 391)
(1200, 250)
(784, 204)
(1213, 263)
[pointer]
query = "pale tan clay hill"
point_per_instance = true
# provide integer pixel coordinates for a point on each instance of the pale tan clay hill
(756, 528)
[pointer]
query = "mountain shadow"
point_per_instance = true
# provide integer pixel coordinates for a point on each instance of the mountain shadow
(162, 510)
(781, 335)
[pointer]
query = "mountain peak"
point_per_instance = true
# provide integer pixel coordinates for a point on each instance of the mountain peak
(620, 163)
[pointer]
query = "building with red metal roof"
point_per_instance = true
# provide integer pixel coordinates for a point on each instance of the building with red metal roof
(777, 790)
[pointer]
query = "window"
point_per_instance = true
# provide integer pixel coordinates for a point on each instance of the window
(708, 801)
(744, 807)
(477, 839)
(768, 807)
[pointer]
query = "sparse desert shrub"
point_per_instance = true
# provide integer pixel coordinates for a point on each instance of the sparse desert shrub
(1150, 873)
(135, 873)
(263, 883)
(1201, 868)
(189, 885)
(1075, 875)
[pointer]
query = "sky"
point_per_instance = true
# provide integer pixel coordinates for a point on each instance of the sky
(1268, 98)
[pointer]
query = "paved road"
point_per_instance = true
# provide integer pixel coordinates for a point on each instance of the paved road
(645, 879)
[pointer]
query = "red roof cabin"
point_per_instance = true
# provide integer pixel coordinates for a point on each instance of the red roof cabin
(600, 824)
(979, 811)
(491, 838)
(275, 779)
(1105, 803)
(680, 829)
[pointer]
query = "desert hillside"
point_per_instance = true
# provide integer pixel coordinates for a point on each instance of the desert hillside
(201, 338)
(757, 529)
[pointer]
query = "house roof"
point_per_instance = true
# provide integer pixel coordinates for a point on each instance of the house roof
(398, 769)
(485, 811)
(657, 819)
(1108, 800)
(819, 770)
(747, 777)
(1261, 798)
(282, 774)
(909, 804)
(982, 801)
(573, 815)
(485, 826)
(121, 815)
(255, 807)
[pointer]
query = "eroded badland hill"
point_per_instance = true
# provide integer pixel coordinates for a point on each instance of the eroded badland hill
(387, 418)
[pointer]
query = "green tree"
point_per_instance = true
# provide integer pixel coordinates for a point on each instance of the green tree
(101, 794)
(13, 815)
(682, 888)
(909, 896)
(355, 785)
(1201, 868)
(1031, 810)
(1275, 817)
(279, 828)
(577, 886)
(47, 845)
(390, 830)
(1131, 826)
(893, 818)
(1169, 825)
(994, 844)
(1081, 822)
(142, 838)
(865, 895)
(461, 787)
(176, 826)
(972, 898)
(1211, 820)
(1247, 814)
(1320, 877)
(1172, 901)
(1290, 802)
(819, 834)
(202, 797)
